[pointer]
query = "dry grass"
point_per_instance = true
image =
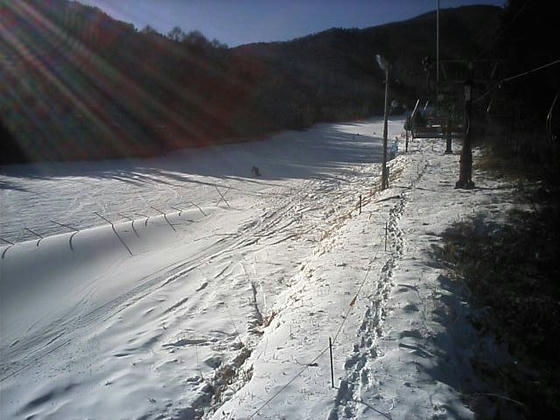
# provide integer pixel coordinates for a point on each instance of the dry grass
(512, 270)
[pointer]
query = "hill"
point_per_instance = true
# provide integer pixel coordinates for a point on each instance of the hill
(337, 69)
(77, 84)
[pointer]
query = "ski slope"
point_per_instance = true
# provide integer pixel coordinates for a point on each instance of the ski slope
(89, 330)
(225, 308)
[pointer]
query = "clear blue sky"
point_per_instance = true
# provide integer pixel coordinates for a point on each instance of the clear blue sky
(236, 22)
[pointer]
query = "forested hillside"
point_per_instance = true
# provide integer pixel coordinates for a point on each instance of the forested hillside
(76, 84)
(338, 67)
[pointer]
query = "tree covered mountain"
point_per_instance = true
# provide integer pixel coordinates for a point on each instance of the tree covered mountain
(77, 84)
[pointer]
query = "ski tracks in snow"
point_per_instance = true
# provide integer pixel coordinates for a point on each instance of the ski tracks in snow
(193, 321)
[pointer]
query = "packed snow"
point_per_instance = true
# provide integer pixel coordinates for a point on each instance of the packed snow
(215, 292)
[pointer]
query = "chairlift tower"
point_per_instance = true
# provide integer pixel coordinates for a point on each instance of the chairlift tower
(470, 74)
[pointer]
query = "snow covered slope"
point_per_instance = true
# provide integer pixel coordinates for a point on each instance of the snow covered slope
(402, 338)
(140, 320)
(224, 310)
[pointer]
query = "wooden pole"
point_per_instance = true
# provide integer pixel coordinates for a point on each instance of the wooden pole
(198, 207)
(222, 196)
(165, 217)
(448, 150)
(71, 236)
(465, 162)
(34, 233)
(332, 366)
(384, 175)
(115, 232)
(406, 140)
(5, 240)
(131, 223)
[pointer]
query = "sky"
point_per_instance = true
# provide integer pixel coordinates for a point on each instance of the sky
(237, 22)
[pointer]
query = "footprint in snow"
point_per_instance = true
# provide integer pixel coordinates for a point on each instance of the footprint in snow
(411, 307)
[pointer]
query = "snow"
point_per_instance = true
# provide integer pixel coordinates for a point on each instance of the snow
(225, 308)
